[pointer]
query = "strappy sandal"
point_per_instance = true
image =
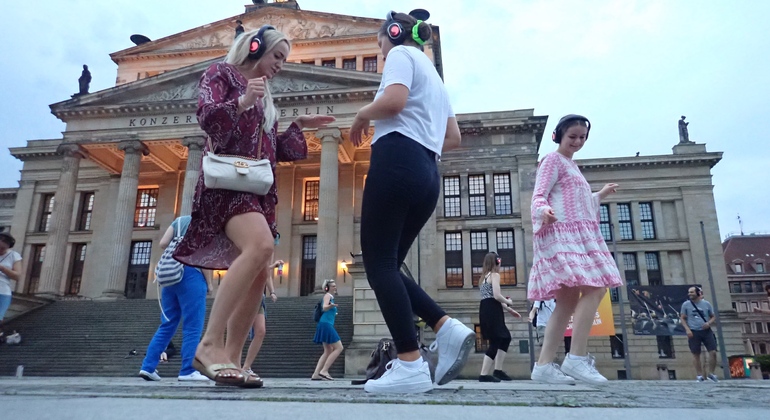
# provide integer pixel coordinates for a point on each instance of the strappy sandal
(214, 372)
(250, 380)
(325, 377)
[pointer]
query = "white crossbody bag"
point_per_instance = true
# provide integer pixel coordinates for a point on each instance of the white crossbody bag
(237, 173)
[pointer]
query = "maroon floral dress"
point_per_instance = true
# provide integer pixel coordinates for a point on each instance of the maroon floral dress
(205, 244)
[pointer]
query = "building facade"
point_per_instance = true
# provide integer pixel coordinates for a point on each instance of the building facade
(746, 259)
(92, 206)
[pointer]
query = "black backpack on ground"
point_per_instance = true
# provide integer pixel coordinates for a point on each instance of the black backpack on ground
(384, 353)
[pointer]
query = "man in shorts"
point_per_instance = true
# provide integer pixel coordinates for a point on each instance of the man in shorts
(697, 317)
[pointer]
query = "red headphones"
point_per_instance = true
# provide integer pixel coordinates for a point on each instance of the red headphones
(257, 44)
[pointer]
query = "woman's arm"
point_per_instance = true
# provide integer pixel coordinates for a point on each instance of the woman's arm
(327, 302)
(452, 137)
(547, 175)
(495, 278)
(167, 237)
(13, 273)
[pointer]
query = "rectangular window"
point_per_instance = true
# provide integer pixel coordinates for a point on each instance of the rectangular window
(604, 222)
(762, 348)
(453, 256)
(86, 211)
(479, 249)
(482, 345)
(738, 268)
(329, 63)
(631, 269)
(735, 306)
(747, 327)
(311, 200)
(36, 265)
(45, 215)
(370, 64)
(744, 306)
(624, 222)
(502, 183)
(758, 327)
(653, 268)
(140, 253)
(616, 346)
(747, 287)
(767, 325)
(507, 253)
(349, 63)
(476, 195)
(648, 223)
(665, 347)
(760, 267)
(735, 287)
(451, 196)
(146, 207)
(307, 268)
(76, 274)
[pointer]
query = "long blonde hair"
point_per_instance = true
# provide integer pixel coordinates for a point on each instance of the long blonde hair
(239, 55)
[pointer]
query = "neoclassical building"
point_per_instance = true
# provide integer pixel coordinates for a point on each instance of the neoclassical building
(91, 206)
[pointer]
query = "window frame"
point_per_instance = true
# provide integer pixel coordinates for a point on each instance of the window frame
(452, 200)
(625, 224)
(477, 201)
(648, 223)
(310, 197)
(502, 194)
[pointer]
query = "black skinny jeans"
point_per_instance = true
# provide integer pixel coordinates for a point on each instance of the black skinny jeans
(401, 192)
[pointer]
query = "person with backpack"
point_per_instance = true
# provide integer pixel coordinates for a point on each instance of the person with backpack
(325, 333)
(182, 298)
(539, 315)
(492, 320)
(697, 318)
(10, 269)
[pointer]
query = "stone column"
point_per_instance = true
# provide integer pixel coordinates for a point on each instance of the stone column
(194, 146)
(328, 212)
(123, 223)
(51, 273)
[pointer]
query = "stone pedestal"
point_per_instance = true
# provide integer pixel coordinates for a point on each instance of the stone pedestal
(51, 274)
(663, 372)
(328, 211)
(756, 370)
(192, 172)
(685, 148)
(123, 222)
(368, 324)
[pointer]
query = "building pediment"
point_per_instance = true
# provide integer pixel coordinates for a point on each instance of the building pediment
(178, 89)
(296, 24)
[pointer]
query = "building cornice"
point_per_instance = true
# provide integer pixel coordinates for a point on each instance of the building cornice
(710, 159)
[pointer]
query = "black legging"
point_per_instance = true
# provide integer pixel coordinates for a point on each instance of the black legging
(401, 192)
(498, 343)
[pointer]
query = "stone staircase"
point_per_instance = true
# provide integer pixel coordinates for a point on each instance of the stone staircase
(87, 338)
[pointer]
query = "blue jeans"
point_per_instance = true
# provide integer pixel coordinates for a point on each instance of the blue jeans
(5, 303)
(185, 300)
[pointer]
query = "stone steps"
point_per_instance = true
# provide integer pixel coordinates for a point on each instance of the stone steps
(86, 338)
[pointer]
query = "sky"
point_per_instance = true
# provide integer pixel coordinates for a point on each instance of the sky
(633, 67)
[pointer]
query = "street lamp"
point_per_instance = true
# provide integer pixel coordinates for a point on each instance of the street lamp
(344, 267)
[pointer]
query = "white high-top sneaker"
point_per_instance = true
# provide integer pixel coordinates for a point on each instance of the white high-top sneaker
(399, 379)
(454, 342)
(583, 370)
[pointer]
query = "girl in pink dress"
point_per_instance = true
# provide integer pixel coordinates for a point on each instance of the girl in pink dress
(233, 230)
(571, 262)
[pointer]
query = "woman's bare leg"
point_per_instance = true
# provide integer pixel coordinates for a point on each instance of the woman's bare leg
(250, 233)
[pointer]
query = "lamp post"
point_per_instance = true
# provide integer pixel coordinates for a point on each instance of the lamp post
(344, 267)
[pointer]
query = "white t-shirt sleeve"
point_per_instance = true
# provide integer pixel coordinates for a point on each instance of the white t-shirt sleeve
(16, 257)
(398, 70)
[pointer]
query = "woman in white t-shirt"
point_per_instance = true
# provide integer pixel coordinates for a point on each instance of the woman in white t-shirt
(10, 269)
(413, 124)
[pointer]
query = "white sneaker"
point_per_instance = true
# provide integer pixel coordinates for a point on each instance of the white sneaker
(712, 377)
(454, 342)
(147, 376)
(195, 376)
(550, 374)
(399, 379)
(584, 370)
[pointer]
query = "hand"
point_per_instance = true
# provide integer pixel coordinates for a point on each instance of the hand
(314, 121)
(513, 312)
(255, 90)
(549, 217)
(607, 190)
(707, 325)
(333, 305)
(358, 130)
(689, 333)
(273, 297)
(757, 309)
(277, 263)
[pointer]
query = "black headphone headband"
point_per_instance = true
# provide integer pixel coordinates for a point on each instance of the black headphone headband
(558, 132)
(257, 43)
(9, 240)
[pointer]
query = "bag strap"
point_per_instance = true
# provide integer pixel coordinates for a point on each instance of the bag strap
(259, 142)
(699, 312)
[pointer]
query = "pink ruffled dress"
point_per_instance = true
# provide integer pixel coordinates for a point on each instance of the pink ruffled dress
(572, 251)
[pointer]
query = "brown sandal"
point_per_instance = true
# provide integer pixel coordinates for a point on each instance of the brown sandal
(250, 380)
